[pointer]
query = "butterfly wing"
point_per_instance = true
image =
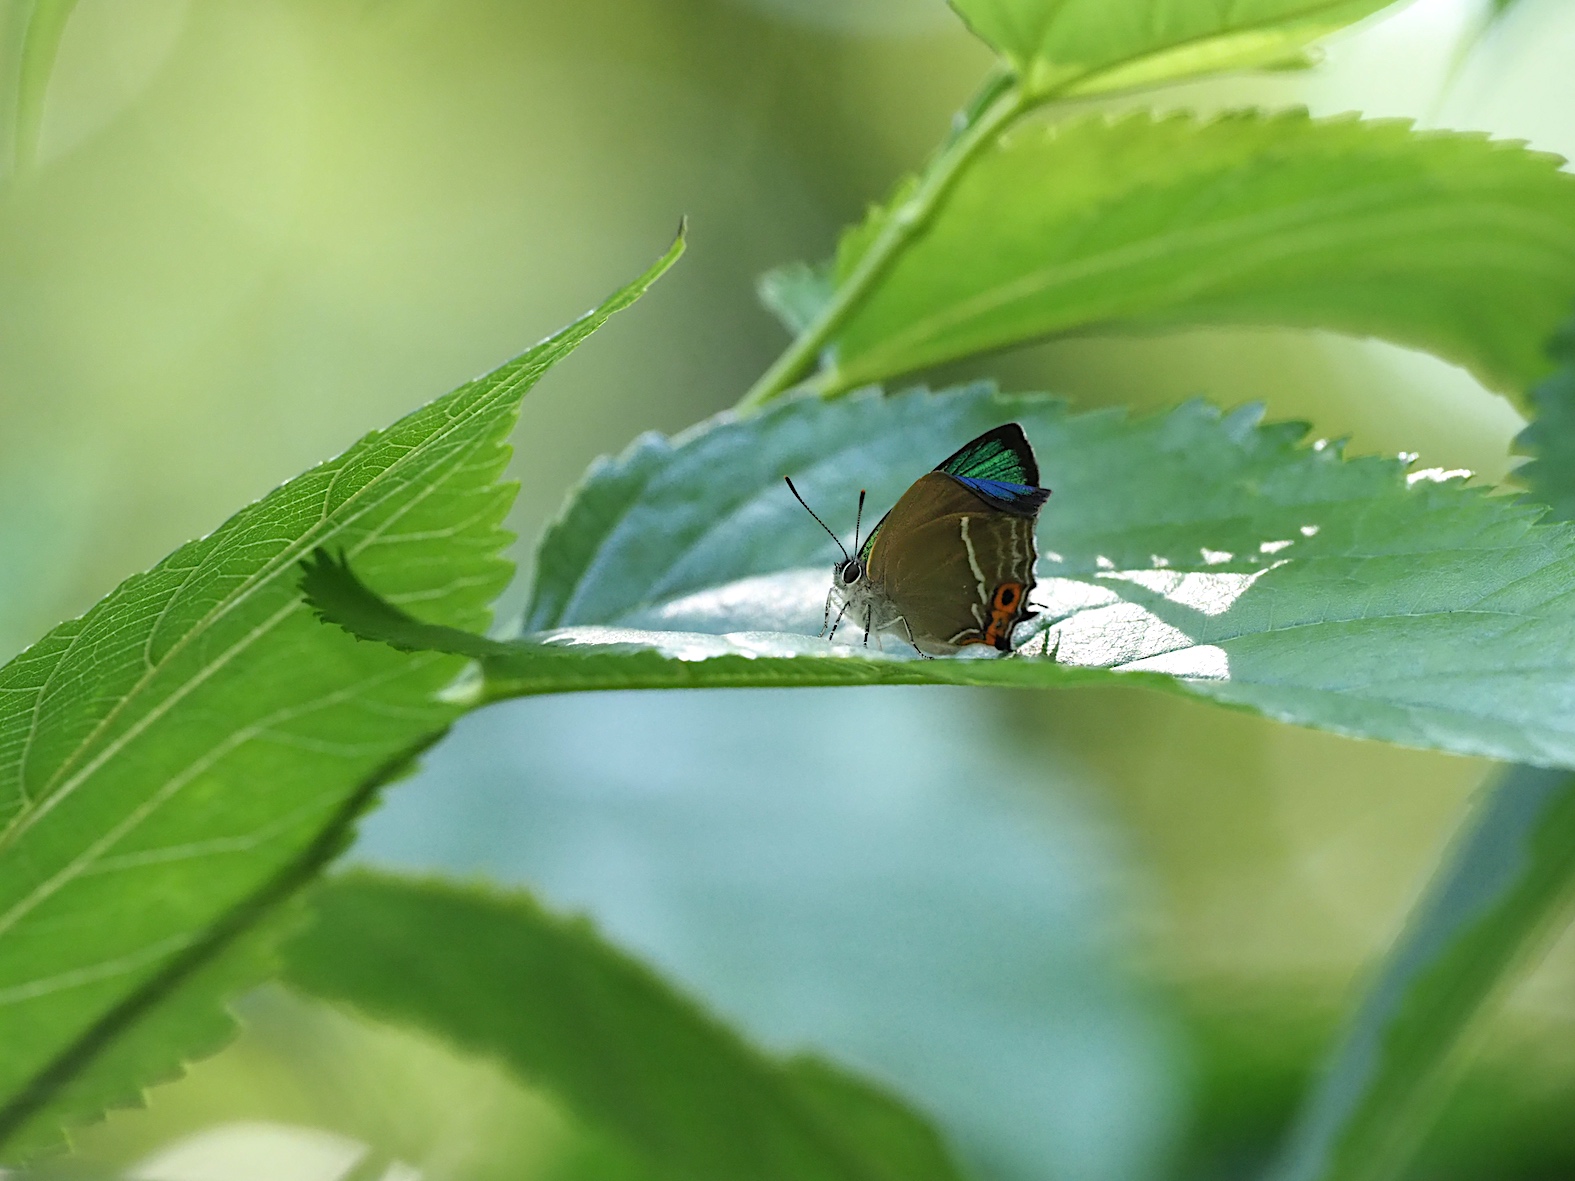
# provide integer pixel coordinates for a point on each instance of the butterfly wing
(956, 566)
(999, 466)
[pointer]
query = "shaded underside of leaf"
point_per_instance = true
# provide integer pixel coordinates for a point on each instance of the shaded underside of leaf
(168, 757)
(495, 974)
(1096, 46)
(1441, 241)
(1202, 551)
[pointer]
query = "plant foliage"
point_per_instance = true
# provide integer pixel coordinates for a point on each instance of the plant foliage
(1089, 46)
(1229, 560)
(1356, 226)
(199, 739)
(179, 762)
(495, 974)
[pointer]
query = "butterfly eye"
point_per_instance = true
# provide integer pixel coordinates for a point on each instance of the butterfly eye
(851, 572)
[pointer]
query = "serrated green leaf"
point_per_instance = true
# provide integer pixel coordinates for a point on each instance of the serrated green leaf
(1074, 47)
(1497, 900)
(1497, 897)
(1440, 241)
(495, 974)
(176, 756)
(1199, 551)
(1549, 439)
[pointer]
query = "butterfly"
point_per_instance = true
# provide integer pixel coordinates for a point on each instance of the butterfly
(952, 564)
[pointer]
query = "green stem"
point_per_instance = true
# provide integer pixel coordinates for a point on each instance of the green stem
(903, 223)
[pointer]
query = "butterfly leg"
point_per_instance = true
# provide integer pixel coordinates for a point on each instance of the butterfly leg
(908, 628)
(837, 622)
(869, 617)
(825, 619)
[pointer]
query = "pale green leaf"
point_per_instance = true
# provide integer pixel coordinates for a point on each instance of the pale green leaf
(1193, 550)
(1072, 47)
(1440, 241)
(494, 974)
(181, 756)
(1498, 899)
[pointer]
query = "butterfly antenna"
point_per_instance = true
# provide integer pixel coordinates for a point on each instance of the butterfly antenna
(816, 515)
(858, 520)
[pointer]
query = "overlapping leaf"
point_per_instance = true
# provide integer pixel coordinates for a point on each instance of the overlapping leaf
(180, 757)
(1440, 241)
(1095, 46)
(1202, 551)
(494, 974)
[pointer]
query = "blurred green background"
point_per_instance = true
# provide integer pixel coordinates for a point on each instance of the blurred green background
(1100, 934)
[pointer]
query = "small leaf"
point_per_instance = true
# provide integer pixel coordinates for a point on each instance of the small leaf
(795, 293)
(1496, 902)
(1074, 47)
(495, 974)
(1194, 550)
(173, 762)
(1439, 241)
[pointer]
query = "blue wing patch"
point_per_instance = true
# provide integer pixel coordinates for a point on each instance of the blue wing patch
(1024, 500)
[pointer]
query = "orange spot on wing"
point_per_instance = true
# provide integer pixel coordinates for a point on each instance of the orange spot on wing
(1005, 606)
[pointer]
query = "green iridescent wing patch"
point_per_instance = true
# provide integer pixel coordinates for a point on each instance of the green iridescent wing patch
(1001, 456)
(999, 467)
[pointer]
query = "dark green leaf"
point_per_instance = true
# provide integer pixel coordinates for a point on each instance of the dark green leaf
(1071, 47)
(1440, 241)
(174, 761)
(495, 974)
(1201, 551)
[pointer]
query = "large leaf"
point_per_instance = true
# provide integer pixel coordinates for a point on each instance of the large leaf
(178, 758)
(1498, 899)
(1440, 241)
(1201, 551)
(495, 974)
(1069, 47)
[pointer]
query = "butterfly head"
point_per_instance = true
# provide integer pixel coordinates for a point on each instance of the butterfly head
(848, 572)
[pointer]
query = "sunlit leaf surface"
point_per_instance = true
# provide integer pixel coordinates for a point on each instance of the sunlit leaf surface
(1091, 46)
(192, 748)
(1440, 241)
(1203, 551)
(495, 974)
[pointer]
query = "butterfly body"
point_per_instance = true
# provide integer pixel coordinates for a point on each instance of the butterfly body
(952, 564)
